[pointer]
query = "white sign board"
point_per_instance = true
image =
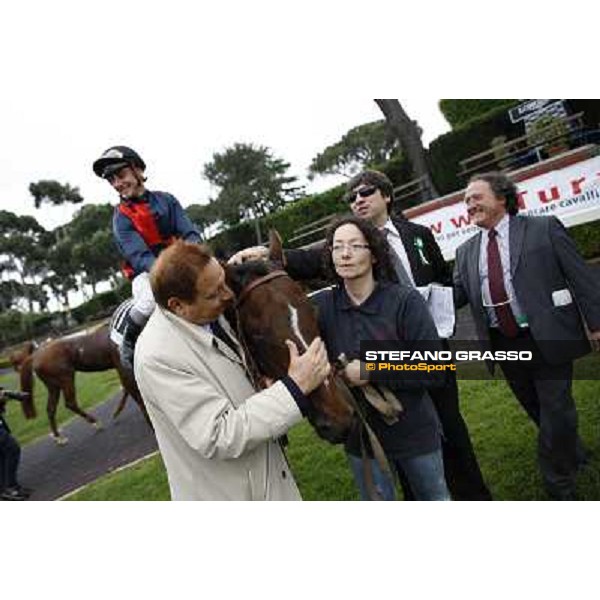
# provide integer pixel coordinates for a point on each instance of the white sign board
(572, 194)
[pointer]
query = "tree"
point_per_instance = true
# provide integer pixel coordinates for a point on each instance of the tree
(94, 254)
(203, 216)
(368, 145)
(97, 257)
(409, 135)
(252, 183)
(23, 253)
(54, 192)
(62, 277)
(10, 292)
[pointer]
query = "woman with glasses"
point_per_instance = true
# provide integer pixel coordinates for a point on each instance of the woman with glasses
(367, 305)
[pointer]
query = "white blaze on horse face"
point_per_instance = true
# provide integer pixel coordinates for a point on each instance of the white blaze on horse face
(295, 324)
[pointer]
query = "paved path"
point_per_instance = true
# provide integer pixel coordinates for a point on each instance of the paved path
(53, 471)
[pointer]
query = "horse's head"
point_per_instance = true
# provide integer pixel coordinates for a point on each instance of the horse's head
(271, 308)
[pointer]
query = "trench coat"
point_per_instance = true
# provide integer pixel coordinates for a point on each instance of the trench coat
(218, 437)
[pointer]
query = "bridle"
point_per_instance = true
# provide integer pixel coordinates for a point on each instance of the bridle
(256, 283)
(251, 366)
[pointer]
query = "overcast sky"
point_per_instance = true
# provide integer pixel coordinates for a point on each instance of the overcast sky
(177, 83)
(59, 137)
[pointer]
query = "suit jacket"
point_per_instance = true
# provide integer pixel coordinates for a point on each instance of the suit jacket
(424, 255)
(543, 260)
(216, 435)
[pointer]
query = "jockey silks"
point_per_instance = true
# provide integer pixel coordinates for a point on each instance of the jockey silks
(144, 227)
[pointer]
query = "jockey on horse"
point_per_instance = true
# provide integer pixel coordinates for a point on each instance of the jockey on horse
(144, 223)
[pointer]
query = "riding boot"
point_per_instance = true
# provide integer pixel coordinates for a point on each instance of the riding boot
(130, 336)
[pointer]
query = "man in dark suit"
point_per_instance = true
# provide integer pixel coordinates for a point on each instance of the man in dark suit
(418, 261)
(527, 287)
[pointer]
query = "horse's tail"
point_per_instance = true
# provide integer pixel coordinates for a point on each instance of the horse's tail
(26, 374)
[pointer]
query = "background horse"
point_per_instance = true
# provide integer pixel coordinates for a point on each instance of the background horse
(271, 307)
(55, 364)
(17, 357)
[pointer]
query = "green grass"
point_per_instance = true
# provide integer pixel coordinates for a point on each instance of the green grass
(146, 480)
(92, 389)
(505, 443)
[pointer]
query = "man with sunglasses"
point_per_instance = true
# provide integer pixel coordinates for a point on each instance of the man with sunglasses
(144, 224)
(529, 289)
(418, 261)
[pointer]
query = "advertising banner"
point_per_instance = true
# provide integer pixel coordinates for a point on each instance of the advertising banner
(572, 194)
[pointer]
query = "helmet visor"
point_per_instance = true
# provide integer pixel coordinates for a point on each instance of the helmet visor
(113, 168)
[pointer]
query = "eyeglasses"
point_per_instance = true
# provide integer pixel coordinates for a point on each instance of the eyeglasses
(363, 193)
(352, 248)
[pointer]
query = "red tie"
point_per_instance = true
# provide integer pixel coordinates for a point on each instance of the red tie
(506, 319)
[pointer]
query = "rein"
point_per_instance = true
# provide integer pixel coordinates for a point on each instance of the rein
(389, 410)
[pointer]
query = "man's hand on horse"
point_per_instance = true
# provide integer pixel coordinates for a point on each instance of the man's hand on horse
(351, 374)
(253, 253)
(310, 369)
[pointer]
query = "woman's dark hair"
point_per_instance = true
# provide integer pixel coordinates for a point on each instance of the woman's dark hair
(502, 187)
(383, 269)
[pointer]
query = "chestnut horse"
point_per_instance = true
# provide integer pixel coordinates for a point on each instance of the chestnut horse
(271, 307)
(17, 357)
(56, 362)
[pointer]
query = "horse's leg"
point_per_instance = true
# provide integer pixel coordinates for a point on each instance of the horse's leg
(71, 403)
(53, 396)
(121, 404)
(131, 388)
(140, 403)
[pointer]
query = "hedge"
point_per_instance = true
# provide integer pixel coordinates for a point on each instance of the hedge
(287, 221)
(446, 151)
(16, 326)
(461, 112)
(587, 238)
(101, 305)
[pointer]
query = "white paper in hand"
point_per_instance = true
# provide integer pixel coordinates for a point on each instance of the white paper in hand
(440, 302)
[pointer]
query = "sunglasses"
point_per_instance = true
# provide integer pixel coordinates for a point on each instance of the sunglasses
(363, 193)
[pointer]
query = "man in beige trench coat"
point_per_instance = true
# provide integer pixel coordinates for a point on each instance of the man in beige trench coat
(216, 434)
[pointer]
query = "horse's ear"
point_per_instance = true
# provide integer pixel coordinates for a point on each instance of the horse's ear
(276, 248)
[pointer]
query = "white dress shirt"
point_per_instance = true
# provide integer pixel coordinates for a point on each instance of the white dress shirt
(503, 230)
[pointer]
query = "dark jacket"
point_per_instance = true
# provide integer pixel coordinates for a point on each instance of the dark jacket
(544, 265)
(167, 218)
(3, 424)
(392, 312)
(426, 261)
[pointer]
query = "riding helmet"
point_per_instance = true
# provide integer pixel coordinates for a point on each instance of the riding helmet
(116, 158)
